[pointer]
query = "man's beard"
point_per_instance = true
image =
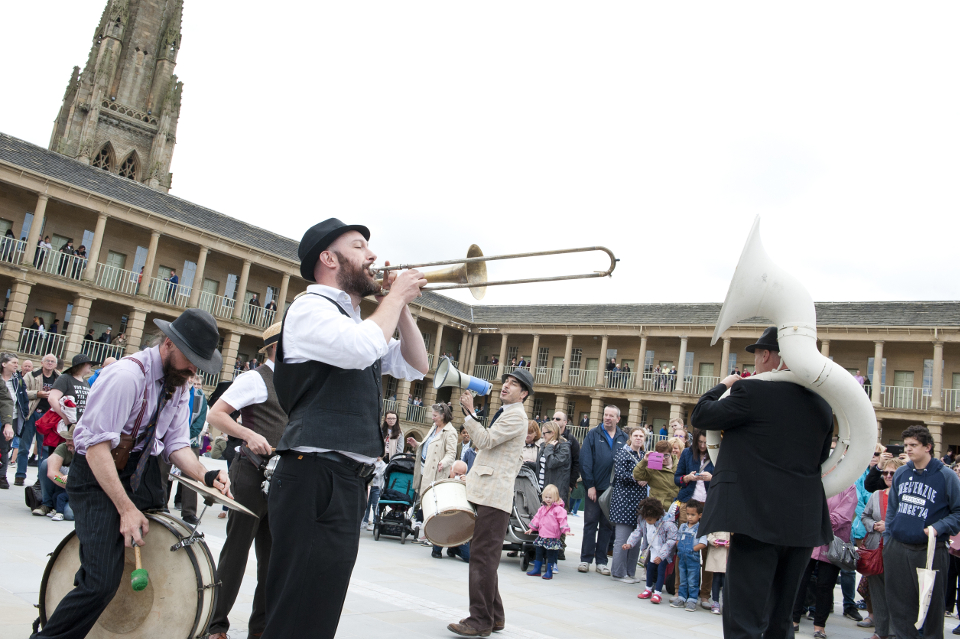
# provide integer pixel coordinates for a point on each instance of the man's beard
(355, 280)
(174, 378)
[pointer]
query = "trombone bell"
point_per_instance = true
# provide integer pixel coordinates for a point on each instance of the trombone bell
(473, 273)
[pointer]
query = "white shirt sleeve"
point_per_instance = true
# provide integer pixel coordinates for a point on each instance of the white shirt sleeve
(246, 390)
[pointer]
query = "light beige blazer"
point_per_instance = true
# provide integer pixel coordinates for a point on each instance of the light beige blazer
(490, 480)
(442, 449)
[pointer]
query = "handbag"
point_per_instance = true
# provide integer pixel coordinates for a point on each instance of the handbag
(842, 553)
(870, 562)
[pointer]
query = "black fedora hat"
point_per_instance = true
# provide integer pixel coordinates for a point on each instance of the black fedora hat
(195, 334)
(77, 362)
(316, 240)
(523, 376)
(767, 341)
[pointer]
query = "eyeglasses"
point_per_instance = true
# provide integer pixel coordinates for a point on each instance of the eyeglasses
(558, 419)
(889, 473)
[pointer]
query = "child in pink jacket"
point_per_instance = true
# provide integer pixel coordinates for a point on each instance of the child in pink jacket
(550, 522)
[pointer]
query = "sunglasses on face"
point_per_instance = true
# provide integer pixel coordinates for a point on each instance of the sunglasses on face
(889, 473)
(557, 419)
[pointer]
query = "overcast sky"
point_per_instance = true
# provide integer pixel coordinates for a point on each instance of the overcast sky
(659, 130)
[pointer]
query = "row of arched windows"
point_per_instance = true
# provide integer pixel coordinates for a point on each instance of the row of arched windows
(129, 168)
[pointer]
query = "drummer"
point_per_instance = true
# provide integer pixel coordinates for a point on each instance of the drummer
(253, 394)
(137, 411)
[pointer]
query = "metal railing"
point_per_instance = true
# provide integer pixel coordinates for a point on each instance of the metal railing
(12, 250)
(419, 414)
(549, 376)
(117, 279)
(455, 363)
(40, 343)
(699, 384)
(257, 315)
(658, 382)
(99, 351)
(620, 379)
(951, 399)
(486, 371)
(167, 292)
(210, 379)
(58, 263)
(216, 305)
(581, 377)
(904, 397)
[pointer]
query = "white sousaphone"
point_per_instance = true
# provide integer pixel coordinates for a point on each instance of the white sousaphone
(762, 289)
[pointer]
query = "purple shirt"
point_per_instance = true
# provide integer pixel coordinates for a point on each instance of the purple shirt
(126, 396)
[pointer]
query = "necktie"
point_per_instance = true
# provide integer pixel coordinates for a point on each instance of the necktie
(495, 416)
(148, 435)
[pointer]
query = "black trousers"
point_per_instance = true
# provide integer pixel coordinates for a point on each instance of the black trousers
(242, 531)
(760, 588)
(315, 506)
(101, 546)
(825, 582)
(900, 563)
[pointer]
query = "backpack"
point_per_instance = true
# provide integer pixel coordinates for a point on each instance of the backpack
(32, 497)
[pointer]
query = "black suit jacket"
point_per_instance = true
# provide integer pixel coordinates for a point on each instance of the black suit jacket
(767, 482)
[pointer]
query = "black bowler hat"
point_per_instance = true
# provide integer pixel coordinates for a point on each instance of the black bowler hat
(316, 240)
(523, 376)
(195, 334)
(767, 341)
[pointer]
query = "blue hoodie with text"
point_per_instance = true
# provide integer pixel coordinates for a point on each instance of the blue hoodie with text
(921, 498)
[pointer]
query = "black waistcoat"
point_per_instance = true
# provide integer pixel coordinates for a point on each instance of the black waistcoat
(327, 406)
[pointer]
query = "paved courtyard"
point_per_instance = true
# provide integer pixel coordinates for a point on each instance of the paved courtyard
(400, 591)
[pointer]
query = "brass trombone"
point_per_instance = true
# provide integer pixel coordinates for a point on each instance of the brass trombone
(472, 272)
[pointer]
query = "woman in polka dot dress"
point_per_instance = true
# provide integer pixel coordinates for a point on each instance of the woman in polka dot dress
(627, 494)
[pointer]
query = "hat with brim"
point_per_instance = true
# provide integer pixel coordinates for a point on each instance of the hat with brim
(523, 376)
(767, 341)
(316, 240)
(271, 336)
(195, 334)
(77, 362)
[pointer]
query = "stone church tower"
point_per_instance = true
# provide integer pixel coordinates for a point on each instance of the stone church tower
(120, 113)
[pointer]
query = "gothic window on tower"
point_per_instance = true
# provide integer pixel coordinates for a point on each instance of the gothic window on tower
(129, 167)
(104, 159)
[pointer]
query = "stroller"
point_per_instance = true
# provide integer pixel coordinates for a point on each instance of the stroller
(394, 516)
(526, 502)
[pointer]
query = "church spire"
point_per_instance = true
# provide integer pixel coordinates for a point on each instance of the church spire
(121, 112)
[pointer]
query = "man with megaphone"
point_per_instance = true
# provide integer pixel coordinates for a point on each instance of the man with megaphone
(490, 490)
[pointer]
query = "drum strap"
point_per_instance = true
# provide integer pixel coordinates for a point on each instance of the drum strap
(148, 435)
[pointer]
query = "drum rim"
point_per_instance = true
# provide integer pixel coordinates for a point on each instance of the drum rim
(46, 575)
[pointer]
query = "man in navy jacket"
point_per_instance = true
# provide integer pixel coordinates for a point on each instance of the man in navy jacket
(596, 460)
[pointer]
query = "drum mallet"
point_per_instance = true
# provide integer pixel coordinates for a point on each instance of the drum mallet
(139, 577)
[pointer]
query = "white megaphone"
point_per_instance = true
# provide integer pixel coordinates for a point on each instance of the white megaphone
(448, 375)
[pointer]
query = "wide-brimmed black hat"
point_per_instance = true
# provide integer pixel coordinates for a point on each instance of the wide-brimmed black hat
(767, 341)
(77, 362)
(316, 240)
(195, 334)
(523, 376)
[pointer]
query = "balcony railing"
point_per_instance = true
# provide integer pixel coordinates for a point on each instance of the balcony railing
(210, 379)
(486, 371)
(216, 305)
(419, 414)
(581, 377)
(57, 263)
(258, 316)
(904, 397)
(551, 376)
(619, 379)
(951, 399)
(699, 384)
(167, 292)
(99, 351)
(117, 279)
(39, 343)
(12, 250)
(658, 382)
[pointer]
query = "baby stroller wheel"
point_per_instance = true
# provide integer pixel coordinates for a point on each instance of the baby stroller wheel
(376, 532)
(525, 562)
(403, 536)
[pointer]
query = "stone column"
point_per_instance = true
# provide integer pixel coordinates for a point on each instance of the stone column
(430, 396)
(503, 357)
(681, 365)
(39, 211)
(464, 354)
(633, 416)
(533, 356)
(473, 352)
(16, 311)
(877, 372)
(641, 361)
(936, 401)
(78, 325)
(528, 407)
(596, 411)
(198, 277)
(231, 345)
(674, 414)
(437, 346)
(282, 301)
(135, 326)
(93, 255)
(403, 391)
(561, 405)
(149, 264)
(602, 373)
(825, 347)
(936, 430)
(565, 376)
(725, 358)
(240, 306)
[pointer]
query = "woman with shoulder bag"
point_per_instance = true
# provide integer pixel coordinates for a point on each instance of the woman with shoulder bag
(873, 518)
(626, 497)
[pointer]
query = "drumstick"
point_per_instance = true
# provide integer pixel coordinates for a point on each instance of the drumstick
(139, 577)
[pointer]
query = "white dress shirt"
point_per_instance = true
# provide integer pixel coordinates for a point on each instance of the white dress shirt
(247, 389)
(316, 331)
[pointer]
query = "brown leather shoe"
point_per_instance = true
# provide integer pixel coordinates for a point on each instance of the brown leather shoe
(464, 630)
(497, 627)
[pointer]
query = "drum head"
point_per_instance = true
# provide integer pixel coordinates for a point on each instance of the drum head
(449, 518)
(170, 604)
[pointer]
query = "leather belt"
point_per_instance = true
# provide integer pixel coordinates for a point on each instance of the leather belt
(361, 469)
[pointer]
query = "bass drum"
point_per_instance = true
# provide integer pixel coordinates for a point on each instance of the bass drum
(448, 517)
(177, 602)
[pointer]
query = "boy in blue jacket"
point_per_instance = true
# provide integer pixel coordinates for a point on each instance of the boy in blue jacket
(924, 496)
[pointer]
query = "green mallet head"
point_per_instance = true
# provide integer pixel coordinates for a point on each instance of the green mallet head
(139, 577)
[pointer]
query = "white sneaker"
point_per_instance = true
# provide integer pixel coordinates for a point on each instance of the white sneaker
(603, 569)
(626, 580)
(369, 526)
(583, 567)
(52, 513)
(57, 517)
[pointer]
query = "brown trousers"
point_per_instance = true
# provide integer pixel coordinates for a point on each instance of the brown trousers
(486, 548)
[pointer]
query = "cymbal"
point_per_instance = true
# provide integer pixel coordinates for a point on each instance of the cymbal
(211, 495)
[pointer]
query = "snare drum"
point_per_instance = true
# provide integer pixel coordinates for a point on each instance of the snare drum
(177, 602)
(448, 518)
